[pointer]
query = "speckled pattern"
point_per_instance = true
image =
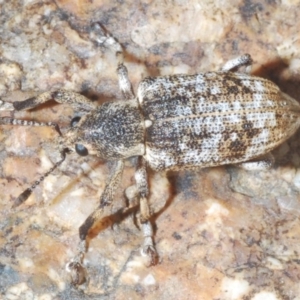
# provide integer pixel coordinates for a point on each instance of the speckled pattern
(213, 118)
(221, 233)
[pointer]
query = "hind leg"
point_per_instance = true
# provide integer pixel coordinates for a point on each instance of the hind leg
(263, 163)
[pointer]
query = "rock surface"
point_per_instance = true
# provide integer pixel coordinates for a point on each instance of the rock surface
(221, 233)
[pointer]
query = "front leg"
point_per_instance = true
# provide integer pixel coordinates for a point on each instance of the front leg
(77, 101)
(75, 267)
(240, 61)
(124, 82)
(103, 38)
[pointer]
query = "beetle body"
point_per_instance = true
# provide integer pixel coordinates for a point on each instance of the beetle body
(201, 120)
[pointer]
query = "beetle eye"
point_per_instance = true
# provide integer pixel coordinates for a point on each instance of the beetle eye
(74, 121)
(81, 150)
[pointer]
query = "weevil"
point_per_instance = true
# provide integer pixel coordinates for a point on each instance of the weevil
(174, 122)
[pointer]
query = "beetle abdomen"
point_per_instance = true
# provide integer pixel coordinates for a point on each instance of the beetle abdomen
(213, 119)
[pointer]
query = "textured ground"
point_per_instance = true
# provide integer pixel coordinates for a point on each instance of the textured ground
(221, 233)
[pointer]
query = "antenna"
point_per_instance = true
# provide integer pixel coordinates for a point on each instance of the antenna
(12, 121)
(25, 195)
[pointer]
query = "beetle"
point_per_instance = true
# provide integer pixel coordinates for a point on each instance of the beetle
(175, 122)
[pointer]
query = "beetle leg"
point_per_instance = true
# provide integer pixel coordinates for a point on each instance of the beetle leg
(75, 266)
(124, 82)
(77, 101)
(6, 106)
(104, 39)
(243, 60)
(148, 248)
(143, 190)
(132, 194)
(263, 163)
(147, 228)
(148, 245)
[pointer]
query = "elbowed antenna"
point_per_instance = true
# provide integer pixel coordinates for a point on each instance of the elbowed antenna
(11, 121)
(25, 195)
(18, 122)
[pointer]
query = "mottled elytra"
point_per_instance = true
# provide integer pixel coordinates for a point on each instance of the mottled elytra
(175, 122)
